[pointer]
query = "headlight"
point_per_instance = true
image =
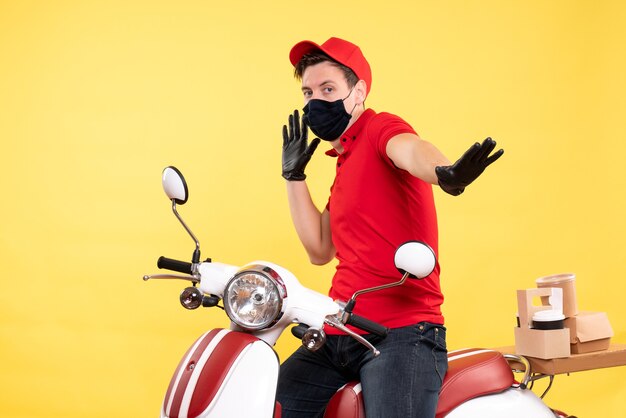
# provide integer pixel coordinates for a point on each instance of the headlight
(253, 298)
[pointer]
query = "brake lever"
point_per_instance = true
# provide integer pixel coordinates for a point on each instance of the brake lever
(333, 321)
(193, 279)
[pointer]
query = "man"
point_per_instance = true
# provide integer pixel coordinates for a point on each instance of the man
(381, 197)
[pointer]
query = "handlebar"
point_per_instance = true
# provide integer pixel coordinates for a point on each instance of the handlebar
(367, 325)
(174, 265)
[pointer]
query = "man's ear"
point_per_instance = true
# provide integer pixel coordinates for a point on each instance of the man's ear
(360, 89)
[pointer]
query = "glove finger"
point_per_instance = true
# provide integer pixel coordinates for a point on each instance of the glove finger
(312, 146)
(291, 128)
(494, 157)
(485, 149)
(305, 130)
(469, 154)
(296, 124)
(285, 136)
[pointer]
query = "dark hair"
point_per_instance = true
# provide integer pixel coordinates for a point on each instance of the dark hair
(317, 57)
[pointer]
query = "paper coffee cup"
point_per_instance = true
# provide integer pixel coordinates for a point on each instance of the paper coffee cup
(549, 319)
(567, 282)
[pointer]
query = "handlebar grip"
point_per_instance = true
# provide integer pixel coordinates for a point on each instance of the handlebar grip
(367, 325)
(175, 265)
(299, 330)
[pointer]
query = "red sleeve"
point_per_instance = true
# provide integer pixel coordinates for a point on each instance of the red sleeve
(385, 126)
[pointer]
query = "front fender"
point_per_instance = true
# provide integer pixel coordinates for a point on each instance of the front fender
(225, 374)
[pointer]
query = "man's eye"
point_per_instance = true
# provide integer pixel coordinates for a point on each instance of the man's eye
(306, 93)
(328, 89)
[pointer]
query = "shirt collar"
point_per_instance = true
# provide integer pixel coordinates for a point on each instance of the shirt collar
(353, 132)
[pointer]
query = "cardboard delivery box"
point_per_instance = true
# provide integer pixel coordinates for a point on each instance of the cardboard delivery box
(540, 343)
(543, 344)
(589, 331)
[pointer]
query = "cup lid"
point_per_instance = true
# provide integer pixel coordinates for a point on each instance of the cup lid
(555, 279)
(548, 315)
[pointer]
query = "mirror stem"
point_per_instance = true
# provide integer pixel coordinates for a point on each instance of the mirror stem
(196, 253)
(350, 305)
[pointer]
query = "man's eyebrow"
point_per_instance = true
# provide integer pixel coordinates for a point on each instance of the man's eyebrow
(322, 84)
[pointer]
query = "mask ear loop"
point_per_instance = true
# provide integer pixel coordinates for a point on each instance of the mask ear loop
(351, 90)
(352, 111)
(356, 104)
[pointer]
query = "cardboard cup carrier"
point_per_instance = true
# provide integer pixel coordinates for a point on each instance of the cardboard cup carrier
(567, 282)
(541, 332)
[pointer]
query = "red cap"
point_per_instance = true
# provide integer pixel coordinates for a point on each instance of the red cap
(343, 52)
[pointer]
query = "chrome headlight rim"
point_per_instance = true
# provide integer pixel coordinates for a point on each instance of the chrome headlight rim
(272, 277)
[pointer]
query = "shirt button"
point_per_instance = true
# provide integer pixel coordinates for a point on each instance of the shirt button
(344, 139)
(353, 138)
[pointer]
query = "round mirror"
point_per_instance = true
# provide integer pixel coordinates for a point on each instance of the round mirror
(174, 185)
(416, 258)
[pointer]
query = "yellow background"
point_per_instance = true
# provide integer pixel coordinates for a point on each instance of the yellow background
(96, 97)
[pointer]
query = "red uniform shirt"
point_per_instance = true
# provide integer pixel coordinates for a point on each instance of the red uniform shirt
(374, 207)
